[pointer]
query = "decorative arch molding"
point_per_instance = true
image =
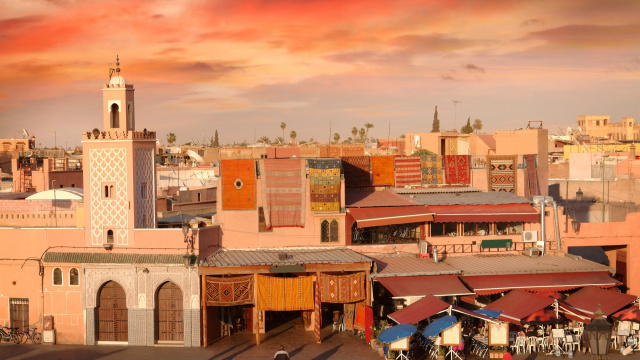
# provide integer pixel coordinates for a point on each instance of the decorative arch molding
(95, 278)
(177, 278)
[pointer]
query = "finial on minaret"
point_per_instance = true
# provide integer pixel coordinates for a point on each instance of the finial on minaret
(118, 64)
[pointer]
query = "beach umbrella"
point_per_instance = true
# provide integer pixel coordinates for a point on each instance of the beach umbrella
(437, 326)
(395, 333)
(489, 312)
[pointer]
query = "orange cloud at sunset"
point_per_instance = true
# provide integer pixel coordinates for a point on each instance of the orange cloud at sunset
(200, 66)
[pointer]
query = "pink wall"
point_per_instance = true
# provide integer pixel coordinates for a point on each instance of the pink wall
(40, 213)
(240, 227)
(612, 234)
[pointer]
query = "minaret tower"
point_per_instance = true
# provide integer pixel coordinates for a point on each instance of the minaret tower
(119, 170)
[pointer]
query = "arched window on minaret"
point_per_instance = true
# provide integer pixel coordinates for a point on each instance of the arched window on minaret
(115, 116)
(130, 115)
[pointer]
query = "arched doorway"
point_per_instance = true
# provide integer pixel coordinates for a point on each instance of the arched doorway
(168, 320)
(113, 317)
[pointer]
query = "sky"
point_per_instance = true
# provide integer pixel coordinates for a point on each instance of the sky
(242, 67)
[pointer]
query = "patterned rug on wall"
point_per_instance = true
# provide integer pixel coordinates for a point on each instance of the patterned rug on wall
(342, 288)
(532, 175)
(457, 169)
(431, 168)
(238, 184)
(236, 290)
(283, 191)
(408, 171)
(503, 173)
(324, 183)
(382, 170)
(357, 171)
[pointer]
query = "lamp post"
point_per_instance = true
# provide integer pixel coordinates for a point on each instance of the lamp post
(188, 239)
(604, 156)
(599, 335)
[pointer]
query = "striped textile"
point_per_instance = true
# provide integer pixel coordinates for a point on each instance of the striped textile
(284, 294)
(408, 171)
(318, 311)
(431, 168)
(324, 184)
(357, 171)
(503, 173)
(532, 175)
(457, 169)
(283, 191)
(382, 170)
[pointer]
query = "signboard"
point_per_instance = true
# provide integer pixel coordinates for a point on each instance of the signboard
(557, 333)
(499, 334)
(624, 327)
(402, 344)
(452, 336)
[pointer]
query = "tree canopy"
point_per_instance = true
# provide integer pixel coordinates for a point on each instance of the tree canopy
(477, 125)
(171, 138)
(436, 122)
(467, 129)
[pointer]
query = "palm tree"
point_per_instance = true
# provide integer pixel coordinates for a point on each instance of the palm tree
(264, 140)
(477, 125)
(354, 132)
(362, 134)
(368, 126)
(336, 137)
(283, 126)
(171, 138)
(293, 135)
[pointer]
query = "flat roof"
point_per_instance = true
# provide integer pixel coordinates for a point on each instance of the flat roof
(437, 190)
(409, 265)
(469, 198)
(295, 255)
(506, 264)
(371, 198)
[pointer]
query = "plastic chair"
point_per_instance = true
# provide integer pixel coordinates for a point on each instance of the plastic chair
(341, 326)
(521, 344)
(532, 344)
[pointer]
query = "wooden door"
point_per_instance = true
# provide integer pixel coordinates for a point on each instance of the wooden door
(19, 313)
(169, 323)
(113, 324)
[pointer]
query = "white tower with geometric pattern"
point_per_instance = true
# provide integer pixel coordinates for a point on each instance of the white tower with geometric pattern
(119, 171)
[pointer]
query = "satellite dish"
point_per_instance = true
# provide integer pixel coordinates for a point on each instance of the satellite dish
(569, 130)
(579, 129)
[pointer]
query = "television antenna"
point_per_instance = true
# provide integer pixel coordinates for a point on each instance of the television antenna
(455, 116)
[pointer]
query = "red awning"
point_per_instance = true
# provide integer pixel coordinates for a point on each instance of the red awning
(628, 314)
(436, 285)
(492, 284)
(586, 300)
(419, 310)
(572, 313)
(542, 316)
(518, 304)
(484, 213)
(368, 217)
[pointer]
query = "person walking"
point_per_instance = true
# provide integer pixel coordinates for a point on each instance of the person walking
(281, 354)
(507, 355)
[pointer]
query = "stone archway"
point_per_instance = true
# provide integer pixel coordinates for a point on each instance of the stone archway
(169, 318)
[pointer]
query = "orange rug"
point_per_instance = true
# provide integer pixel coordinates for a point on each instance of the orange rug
(238, 184)
(382, 169)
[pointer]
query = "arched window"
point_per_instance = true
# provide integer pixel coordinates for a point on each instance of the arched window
(130, 114)
(111, 191)
(74, 277)
(110, 237)
(57, 277)
(324, 231)
(333, 232)
(106, 191)
(115, 116)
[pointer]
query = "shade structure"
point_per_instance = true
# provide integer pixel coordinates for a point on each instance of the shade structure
(381, 216)
(437, 285)
(471, 313)
(419, 310)
(395, 333)
(586, 300)
(548, 282)
(484, 213)
(543, 316)
(628, 314)
(572, 313)
(489, 312)
(518, 304)
(437, 326)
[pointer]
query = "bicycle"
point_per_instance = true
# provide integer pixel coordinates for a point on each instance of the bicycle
(31, 334)
(9, 336)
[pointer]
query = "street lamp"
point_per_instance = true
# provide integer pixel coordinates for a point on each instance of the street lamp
(188, 239)
(599, 335)
(579, 195)
(604, 156)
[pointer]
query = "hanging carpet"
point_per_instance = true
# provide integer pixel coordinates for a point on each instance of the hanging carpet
(349, 315)
(357, 171)
(408, 171)
(283, 192)
(359, 320)
(284, 294)
(457, 169)
(236, 290)
(342, 288)
(318, 311)
(238, 184)
(382, 170)
(324, 185)
(502, 173)
(431, 168)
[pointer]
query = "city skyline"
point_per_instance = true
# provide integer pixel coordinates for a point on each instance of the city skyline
(243, 67)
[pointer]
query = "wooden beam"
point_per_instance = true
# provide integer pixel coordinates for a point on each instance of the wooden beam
(256, 317)
(368, 288)
(204, 311)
